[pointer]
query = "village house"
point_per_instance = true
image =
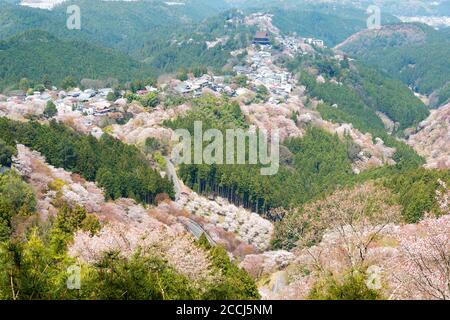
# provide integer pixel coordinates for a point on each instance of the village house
(74, 93)
(104, 92)
(195, 86)
(315, 42)
(261, 38)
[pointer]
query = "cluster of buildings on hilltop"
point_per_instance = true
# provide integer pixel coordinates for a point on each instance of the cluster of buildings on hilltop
(293, 46)
(195, 86)
(90, 110)
(89, 101)
(294, 43)
(314, 42)
(19, 107)
(261, 71)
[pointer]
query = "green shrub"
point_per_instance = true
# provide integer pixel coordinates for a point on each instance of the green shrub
(50, 110)
(6, 154)
(69, 220)
(139, 278)
(234, 284)
(352, 287)
(150, 100)
(416, 191)
(16, 198)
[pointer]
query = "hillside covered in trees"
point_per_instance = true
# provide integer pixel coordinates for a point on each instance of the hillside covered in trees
(151, 37)
(359, 92)
(121, 169)
(413, 53)
(311, 166)
(145, 37)
(95, 206)
(34, 54)
(331, 22)
(37, 254)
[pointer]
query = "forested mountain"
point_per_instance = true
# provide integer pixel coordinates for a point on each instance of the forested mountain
(313, 165)
(163, 37)
(192, 45)
(34, 54)
(123, 25)
(397, 7)
(328, 22)
(358, 92)
(167, 37)
(413, 53)
(116, 24)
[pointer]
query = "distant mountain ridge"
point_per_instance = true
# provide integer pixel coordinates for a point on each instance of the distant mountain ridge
(35, 53)
(416, 54)
(150, 31)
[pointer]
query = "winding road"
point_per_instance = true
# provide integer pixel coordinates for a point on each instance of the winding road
(190, 225)
(196, 229)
